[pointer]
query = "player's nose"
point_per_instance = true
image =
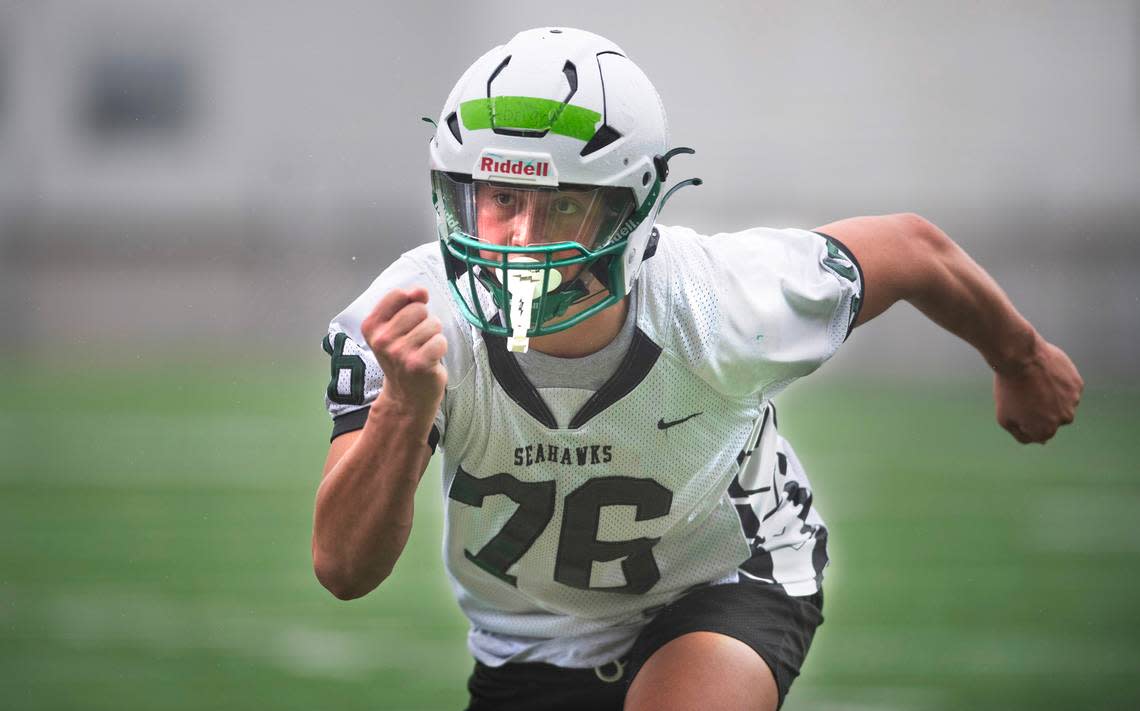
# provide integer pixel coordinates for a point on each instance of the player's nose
(522, 229)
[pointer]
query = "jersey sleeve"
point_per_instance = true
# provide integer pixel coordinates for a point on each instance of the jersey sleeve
(355, 378)
(785, 300)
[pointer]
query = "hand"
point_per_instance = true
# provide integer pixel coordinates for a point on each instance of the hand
(1042, 394)
(409, 343)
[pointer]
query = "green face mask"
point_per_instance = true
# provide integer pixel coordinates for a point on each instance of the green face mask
(516, 243)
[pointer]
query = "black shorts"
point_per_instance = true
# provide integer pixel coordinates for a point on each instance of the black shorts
(779, 627)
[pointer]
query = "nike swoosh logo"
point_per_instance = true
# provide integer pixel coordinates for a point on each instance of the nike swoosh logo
(663, 425)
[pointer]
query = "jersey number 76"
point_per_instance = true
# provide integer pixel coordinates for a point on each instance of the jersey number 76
(578, 544)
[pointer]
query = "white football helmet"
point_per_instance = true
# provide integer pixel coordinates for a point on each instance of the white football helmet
(547, 166)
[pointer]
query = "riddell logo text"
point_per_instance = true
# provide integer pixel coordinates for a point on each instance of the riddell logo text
(514, 167)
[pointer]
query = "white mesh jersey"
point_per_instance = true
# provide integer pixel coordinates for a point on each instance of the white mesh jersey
(573, 515)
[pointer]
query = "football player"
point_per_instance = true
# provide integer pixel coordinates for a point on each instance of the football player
(624, 524)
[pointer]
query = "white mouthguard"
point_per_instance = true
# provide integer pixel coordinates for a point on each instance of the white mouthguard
(524, 285)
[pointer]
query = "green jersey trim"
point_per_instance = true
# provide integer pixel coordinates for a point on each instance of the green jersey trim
(836, 251)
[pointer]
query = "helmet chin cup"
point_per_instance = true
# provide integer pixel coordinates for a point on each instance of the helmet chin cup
(525, 285)
(529, 276)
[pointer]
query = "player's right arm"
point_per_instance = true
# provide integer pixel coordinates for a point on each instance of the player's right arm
(364, 505)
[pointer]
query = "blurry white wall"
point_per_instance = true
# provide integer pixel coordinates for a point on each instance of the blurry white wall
(183, 175)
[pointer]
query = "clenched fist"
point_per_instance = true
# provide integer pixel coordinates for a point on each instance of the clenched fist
(409, 343)
(1039, 397)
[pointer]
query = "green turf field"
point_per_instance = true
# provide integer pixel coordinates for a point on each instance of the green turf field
(155, 552)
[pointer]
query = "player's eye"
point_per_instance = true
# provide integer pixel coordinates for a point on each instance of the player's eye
(566, 206)
(503, 199)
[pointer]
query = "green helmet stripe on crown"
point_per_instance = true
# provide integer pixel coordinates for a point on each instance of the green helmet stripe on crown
(530, 114)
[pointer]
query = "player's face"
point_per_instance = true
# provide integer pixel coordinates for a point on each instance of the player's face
(523, 217)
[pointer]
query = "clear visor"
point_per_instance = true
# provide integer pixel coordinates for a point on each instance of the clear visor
(525, 216)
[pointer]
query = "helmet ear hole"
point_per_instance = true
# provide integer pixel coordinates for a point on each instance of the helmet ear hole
(645, 178)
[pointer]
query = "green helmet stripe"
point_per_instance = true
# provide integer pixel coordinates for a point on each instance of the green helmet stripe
(530, 114)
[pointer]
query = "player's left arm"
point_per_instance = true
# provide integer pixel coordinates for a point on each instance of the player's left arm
(906, 258)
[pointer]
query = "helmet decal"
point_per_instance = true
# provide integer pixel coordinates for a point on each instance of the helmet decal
(529, 114)
(516, 167)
